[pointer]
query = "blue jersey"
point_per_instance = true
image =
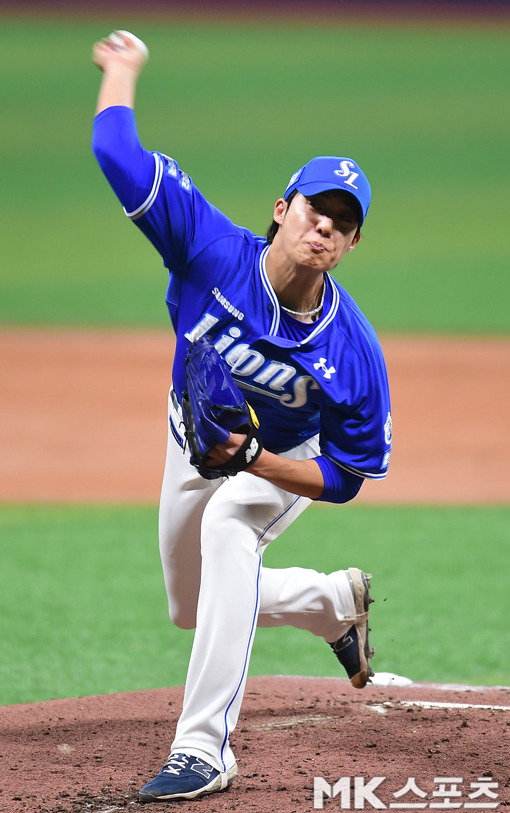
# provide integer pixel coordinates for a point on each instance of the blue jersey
(327, 378)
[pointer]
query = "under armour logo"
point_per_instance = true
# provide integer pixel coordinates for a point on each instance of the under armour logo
(328, 371)
(252, 450)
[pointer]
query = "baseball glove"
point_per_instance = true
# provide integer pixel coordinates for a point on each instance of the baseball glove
(213, 406)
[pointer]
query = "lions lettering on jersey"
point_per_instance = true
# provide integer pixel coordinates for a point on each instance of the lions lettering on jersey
(269, 377)
(307, 390)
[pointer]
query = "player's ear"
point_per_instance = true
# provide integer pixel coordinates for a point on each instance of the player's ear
(280, 208)
(356, 239)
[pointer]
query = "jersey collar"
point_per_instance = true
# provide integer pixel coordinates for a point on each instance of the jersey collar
(323, 322)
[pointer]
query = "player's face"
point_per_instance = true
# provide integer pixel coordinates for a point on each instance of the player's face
(318, 231)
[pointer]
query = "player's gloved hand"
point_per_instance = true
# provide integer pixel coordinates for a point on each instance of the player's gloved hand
(213, 407)
(220, 454)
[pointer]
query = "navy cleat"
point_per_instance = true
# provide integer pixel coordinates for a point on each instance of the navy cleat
(186, 777)
(353, 649)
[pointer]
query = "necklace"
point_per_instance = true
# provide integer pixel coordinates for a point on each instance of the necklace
(307, 313)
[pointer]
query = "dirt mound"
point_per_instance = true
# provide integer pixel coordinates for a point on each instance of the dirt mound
(94, 753)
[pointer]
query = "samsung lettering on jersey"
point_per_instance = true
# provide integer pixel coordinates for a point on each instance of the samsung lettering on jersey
(227, 305)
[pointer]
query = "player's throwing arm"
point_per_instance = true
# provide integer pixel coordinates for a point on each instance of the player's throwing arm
(121, 56)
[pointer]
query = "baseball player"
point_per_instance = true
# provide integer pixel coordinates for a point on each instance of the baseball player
(310, 365)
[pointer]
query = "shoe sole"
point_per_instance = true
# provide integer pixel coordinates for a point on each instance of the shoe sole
(360, 585)
(214, 787)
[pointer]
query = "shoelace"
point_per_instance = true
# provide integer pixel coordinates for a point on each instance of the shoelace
(180, 761)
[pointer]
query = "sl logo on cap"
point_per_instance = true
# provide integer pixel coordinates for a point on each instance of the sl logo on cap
(346, 172)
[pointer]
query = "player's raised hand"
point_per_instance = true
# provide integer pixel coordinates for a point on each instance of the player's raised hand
(120, 48)
(121, 57)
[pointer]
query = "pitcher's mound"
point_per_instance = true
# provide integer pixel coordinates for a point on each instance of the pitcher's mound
(94, 753)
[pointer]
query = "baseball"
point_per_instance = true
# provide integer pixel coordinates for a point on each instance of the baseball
(120, 45)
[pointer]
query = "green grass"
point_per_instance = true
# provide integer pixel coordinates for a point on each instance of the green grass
(83, 610)
(241, 107)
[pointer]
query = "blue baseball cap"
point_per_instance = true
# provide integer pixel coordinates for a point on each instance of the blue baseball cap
(331, 172)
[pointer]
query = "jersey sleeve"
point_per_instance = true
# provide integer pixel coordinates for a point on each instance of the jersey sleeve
(129, 169)
(156, 194)
(340, 486)
(356, 427)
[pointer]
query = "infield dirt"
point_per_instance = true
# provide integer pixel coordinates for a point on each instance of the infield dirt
(83, 417)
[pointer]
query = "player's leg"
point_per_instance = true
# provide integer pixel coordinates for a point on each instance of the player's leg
(333, 606)
(307, 599)
(235, 520)
(184, 495)
(301, 597)
(240, 520)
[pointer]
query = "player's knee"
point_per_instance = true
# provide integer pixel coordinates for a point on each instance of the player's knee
(182, 617)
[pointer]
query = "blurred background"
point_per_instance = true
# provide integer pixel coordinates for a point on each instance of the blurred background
(242, 94)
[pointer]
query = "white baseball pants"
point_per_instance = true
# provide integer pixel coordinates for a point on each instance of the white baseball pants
(212, 537)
